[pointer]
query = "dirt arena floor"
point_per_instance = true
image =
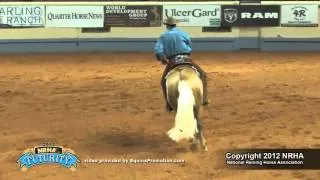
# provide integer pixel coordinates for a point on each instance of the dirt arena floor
(110, 106)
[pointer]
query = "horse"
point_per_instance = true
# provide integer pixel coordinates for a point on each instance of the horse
(185, 95)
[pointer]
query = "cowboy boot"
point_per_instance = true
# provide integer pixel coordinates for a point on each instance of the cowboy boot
(205, 89)
(205, 93)
(168, 107)
(204, 79)
(164, 88)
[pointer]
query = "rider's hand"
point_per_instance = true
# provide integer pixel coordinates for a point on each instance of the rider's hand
(164, 61)
(162, 58)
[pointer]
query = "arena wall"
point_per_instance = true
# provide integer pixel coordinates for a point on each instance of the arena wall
(143, 39)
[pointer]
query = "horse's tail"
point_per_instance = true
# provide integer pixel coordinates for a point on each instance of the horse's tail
(185, 122)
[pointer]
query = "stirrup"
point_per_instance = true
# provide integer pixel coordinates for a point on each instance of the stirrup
(169, 108)
(206, 102)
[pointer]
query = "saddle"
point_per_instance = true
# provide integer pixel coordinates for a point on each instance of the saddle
(180, 61)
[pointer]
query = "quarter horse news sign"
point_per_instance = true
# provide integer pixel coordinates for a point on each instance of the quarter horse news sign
(74, 16)
(194, 15)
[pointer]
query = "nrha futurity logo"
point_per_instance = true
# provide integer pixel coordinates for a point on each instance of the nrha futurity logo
(48, 154)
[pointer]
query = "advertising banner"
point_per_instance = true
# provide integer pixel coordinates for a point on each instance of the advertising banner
(133, 16)
(74, 16)
(194, 15)
(22, 16)
(251, 15)
(299, 15)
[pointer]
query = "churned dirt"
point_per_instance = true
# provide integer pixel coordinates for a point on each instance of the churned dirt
(110, 106)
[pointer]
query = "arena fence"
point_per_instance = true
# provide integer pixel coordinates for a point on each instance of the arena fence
(135, 26)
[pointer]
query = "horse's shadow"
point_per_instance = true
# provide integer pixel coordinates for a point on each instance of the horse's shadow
(128, 143)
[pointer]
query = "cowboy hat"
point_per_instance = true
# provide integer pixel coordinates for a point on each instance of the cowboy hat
(170, 21)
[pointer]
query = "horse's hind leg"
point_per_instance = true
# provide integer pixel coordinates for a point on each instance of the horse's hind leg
(194, 144)
(196, 139)
(200, 135)
(199, 138)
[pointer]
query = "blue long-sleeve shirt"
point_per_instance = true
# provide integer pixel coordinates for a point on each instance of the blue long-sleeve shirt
(173, 42)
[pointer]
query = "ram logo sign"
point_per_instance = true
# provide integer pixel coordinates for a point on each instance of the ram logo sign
(268, 15)
(230, 15)
(259, 15)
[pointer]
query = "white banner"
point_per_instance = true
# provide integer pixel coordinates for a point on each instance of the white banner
(74, 16)
(22, 16)
(194, 15)
(299, 15)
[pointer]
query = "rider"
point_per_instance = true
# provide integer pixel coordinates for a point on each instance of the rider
(173, 45)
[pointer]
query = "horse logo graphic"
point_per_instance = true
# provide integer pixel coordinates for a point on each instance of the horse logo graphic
(155, 16)
(231, 15)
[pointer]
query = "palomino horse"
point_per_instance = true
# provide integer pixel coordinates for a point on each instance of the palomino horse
(184, 93)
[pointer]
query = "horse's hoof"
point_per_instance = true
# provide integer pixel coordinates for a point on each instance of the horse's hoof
(193, 147)
(207, 102)
(205, 149)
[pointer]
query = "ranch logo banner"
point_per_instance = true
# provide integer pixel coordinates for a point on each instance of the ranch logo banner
(44, 154)
(299, 15)
(133, 16)
(74, 16)
(194, 15)
(22, 16)
(251, 15)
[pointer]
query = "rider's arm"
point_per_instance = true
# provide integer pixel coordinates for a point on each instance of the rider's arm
(159, 50)
(187, 39)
